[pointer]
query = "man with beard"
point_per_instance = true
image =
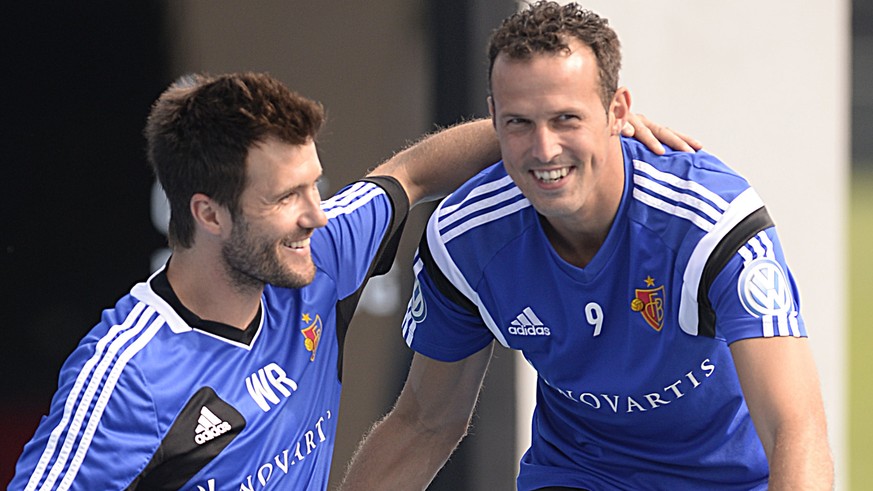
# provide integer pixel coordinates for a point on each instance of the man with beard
(221, 371)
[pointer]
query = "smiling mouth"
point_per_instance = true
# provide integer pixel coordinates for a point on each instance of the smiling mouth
(551, 176)
(297, 244)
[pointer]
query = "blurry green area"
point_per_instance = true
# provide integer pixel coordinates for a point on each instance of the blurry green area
(860, 427)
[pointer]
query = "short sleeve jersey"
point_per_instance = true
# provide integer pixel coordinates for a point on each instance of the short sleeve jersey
(636, 386)
(156, 398)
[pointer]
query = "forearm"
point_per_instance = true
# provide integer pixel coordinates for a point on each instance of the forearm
(407, 449)
(782, 391)
(399, 454)
(800, 458)
(440, 162)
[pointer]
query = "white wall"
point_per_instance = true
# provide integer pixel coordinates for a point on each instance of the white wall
(764, 86)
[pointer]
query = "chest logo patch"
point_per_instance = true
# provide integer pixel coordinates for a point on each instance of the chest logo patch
(209, 426)
(312, 333)
(649, 302)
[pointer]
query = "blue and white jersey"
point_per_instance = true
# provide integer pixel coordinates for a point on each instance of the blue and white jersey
(156, 398)
(636, 385)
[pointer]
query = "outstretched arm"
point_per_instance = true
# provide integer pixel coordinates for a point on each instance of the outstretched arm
(409, 446)
(782, 390)
(440, 162)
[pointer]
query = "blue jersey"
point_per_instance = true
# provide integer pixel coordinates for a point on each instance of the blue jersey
(636, 386)
(156, 398)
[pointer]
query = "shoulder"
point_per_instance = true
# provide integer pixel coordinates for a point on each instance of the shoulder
(700, 208)
(698, 174)
(684, 192)
(487, 212)
(360, 193)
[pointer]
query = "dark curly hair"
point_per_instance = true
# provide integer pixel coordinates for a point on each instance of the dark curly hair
(546, 27)
(200, 131)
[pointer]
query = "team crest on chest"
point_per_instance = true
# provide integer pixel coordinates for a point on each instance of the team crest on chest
(649, 302)
(312, 333)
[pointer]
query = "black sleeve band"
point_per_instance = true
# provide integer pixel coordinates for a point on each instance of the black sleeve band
(442, 283)
(400, 203)
(345, 307)
(749, 227)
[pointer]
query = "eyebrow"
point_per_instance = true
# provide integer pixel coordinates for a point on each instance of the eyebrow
(298, 187)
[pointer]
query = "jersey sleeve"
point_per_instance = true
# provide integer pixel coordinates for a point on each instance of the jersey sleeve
(100, 432)
(365, 222)
(755, 294)
(440, 322)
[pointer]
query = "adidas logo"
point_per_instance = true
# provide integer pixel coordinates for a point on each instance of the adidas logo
(209, 426)
(528, 324)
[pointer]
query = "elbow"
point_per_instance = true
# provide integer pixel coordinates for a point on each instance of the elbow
(445, 433)
(799, 457)
(438, 431)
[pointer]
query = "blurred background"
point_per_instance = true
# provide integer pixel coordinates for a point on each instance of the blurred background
(783, 94)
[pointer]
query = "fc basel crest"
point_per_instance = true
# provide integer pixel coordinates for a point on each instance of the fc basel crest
(312, 333)
(650, 303)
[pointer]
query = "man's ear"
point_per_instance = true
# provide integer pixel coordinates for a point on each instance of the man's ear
(619, 109)
(491, 111)
(208, 215)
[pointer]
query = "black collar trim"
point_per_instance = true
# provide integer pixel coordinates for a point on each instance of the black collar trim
(161, 285)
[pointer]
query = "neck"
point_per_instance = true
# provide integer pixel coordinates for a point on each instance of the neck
(578, 239)
(203, 287)
(577, 248)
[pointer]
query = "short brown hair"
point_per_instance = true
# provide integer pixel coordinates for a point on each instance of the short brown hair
(200, 130)
(546, 27)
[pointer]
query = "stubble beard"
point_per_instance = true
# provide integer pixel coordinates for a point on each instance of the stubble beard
(252, 261)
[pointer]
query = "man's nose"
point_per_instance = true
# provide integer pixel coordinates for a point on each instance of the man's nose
(546, 145)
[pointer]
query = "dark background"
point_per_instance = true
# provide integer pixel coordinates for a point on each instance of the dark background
(77, 88)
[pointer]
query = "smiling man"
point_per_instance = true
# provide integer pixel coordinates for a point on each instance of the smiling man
(650, 293)
(222, 370)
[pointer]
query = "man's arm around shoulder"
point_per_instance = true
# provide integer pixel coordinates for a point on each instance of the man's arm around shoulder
(438, 163)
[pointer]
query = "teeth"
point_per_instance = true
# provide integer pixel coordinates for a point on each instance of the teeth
(298, 244)
(550, 176)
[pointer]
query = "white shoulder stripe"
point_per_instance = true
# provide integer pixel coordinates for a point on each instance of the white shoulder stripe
(678, 182)
(448, 267)
(746, 254)
(351, 203)
(69, 405)
(447, 219)
(345, 197)
(767, 324)
(795, 329)
(74, 415)
(485, 218)
(475, 193)
(686, 199)
(672, 209)
(757, 248)
(103, 400)
(766, 243)
(780, 325)
(742, 206)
